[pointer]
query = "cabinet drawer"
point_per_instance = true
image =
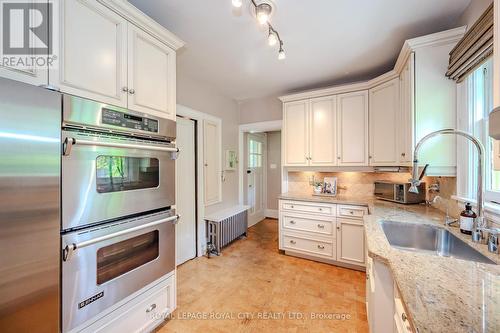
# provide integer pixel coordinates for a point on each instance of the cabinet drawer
(308, 246)
(309, 208)
(143, 316)
(356, 212)
(401, 321)
(320, 226)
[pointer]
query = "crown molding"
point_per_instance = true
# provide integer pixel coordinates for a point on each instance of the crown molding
(409, 46)
(141, 20)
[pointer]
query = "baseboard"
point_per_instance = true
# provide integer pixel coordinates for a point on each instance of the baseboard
(272, 213)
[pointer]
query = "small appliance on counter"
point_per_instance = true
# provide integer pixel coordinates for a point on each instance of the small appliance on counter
(398, 192)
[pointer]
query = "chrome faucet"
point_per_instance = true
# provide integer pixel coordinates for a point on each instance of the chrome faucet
(480, 222)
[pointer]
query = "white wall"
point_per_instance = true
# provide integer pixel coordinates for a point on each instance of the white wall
(273, 175)
(261, 109)
(202, 97)
(473, 12)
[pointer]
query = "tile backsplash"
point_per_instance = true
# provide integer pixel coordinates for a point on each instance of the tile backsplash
(362, 184)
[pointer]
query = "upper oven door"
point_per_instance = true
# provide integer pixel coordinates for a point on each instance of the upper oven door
(106, 177)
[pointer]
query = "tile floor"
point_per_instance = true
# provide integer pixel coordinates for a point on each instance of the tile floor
(254, 288)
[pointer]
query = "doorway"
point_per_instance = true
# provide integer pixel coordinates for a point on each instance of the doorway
(186, 184)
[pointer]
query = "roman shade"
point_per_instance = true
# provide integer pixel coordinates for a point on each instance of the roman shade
(474, 47)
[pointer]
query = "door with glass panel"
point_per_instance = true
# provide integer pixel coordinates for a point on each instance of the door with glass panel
(256, 156)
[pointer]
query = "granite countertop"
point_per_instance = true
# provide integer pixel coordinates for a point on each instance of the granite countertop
(440, 294)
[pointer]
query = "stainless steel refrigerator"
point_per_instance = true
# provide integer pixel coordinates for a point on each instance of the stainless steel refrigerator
(30, 158)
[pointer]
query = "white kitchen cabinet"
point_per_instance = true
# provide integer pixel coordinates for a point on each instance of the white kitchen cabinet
(352, 129)
(384, 111)
(212, 162)
(295, 134)
(379, 296)
(406, 121)
(350, 241)
(151, 74)
(322, 132)
(321, 231)
(93, 53)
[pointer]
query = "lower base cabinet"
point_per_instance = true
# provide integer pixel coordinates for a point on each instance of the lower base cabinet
(332, 233)
(140, 314)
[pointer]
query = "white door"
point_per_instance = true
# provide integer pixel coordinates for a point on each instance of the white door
(93, 50)
(185, 165)
(384, 110)
(350, 241)
(256, 156)
(352, 122)
(212, 171)
(151, 74)
(323, 132)
(295, 133)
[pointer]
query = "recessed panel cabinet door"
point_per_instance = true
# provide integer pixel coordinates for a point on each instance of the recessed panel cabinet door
(323, 132)
(295, 128)
(384, 109)
(151, 75)
(406, 123)
(93, 50)
(350, 241)
(352, 125)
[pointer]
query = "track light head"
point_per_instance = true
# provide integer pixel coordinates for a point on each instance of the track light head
(263, 12)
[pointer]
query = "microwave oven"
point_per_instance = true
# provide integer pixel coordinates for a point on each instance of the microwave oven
(398, 192)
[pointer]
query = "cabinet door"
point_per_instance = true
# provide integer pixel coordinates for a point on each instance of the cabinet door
(405, 122)
(295, 133)
(350, 242)
(93, 52)
(151, 75)
(323, 132)
(35, 73)
(212, 161)
(384, 109)
(352, 129)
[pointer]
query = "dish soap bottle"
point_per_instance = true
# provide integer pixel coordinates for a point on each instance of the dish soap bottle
(467, 219)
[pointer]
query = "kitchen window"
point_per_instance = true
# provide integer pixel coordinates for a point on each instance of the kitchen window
(475, 102)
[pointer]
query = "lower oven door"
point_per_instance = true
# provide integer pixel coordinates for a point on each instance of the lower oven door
(106, 264)
(106, 177)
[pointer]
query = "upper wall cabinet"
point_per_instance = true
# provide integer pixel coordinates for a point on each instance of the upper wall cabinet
(384, 113)
(151, 74)
(406, 121)
(93, 49)
(322, 131)
(352, 125)
(295, 134)
(109, 59)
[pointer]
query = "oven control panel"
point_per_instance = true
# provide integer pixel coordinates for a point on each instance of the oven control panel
(116, 118)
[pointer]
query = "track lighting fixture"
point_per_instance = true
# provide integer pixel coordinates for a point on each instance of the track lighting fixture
(263, 12)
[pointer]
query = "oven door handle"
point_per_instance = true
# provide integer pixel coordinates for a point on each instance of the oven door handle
(69, 249)
(69, 142)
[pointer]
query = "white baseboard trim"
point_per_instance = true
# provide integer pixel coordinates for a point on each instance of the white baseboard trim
(272, 213)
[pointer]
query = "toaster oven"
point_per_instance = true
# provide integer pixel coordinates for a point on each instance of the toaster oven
(398, 192)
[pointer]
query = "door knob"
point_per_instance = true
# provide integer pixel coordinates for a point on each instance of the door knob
(125, 89)
(131, 91)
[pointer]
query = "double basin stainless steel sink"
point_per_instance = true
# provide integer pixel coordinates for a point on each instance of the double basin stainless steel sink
(430, 239)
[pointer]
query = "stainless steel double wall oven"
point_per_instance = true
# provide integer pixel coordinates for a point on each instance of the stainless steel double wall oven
(118, 187)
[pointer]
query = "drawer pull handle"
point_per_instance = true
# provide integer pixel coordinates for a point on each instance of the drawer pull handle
(321, 247)
(320, 209)
(351, 212)
(292, 222)
(151, 308)
(293, 242)
(292, 206)
(321, 226)
(403, 316)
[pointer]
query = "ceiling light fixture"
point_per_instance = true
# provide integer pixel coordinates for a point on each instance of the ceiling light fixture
(263, 12)
(237, 3)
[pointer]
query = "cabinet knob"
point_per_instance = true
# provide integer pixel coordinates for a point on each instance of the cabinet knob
(338, 157)
(131, 91)
(403, 154)
(370, 157)
(321, 247)
(403, 316)
(321, 226)
(338, 227)
(320, 209)
(151, 308)
(125, 89)
(292, 222)
(292, 242)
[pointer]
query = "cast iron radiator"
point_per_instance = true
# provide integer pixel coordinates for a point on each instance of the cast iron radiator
(222, 231)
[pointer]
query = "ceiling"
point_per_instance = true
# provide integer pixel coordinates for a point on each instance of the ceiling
(326, 41)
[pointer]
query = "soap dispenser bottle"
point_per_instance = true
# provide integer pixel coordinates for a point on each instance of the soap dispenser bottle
(467, 218)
